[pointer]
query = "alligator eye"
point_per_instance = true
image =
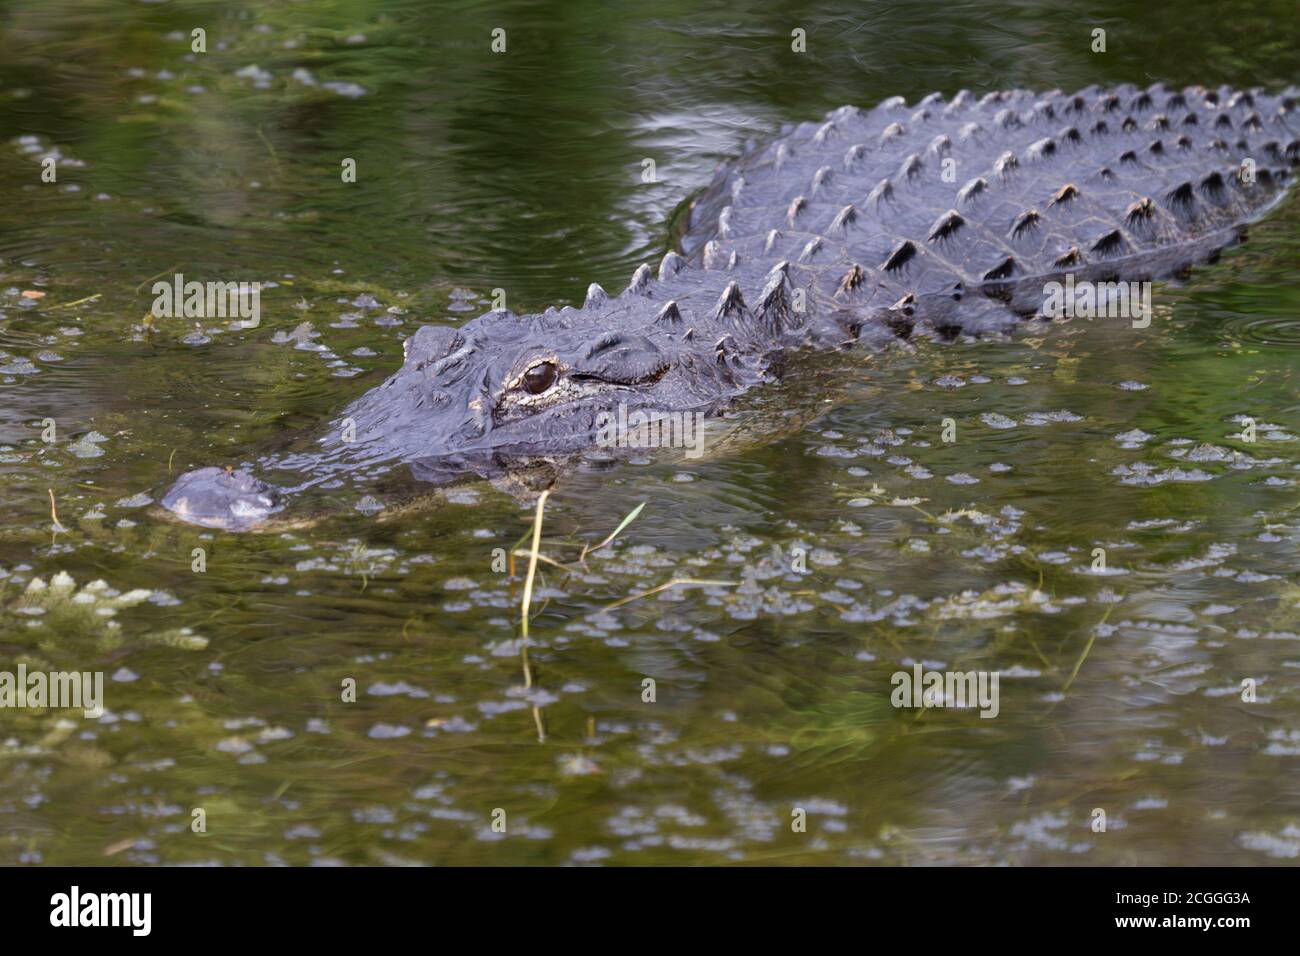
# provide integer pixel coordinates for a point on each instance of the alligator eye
(539, 378)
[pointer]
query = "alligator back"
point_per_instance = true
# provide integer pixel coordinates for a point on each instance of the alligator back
(909, 207)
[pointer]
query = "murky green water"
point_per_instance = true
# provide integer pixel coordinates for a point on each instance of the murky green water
(853, 540)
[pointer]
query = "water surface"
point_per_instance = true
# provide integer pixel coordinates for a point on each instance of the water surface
(852, 540)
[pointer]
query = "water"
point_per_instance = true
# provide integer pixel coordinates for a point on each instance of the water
(851, 539)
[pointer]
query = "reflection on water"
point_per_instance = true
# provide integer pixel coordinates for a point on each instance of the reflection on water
(846, 538)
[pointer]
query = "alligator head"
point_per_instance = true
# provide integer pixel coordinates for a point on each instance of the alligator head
(504, 388)
(494, 396)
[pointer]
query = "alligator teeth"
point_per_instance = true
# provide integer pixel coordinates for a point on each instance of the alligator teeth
(596, 297)
(671, 265)
(946, 226)
(640, 283)
(730, 304)
(669, 316)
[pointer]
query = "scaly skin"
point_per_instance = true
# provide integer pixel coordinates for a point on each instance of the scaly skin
(851, 229)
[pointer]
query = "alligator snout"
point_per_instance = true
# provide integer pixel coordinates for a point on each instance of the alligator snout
(220, 498)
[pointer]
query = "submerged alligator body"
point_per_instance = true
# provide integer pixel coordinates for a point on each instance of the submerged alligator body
(946, 217)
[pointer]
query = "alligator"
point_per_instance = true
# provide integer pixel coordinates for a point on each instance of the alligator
(943, 219)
